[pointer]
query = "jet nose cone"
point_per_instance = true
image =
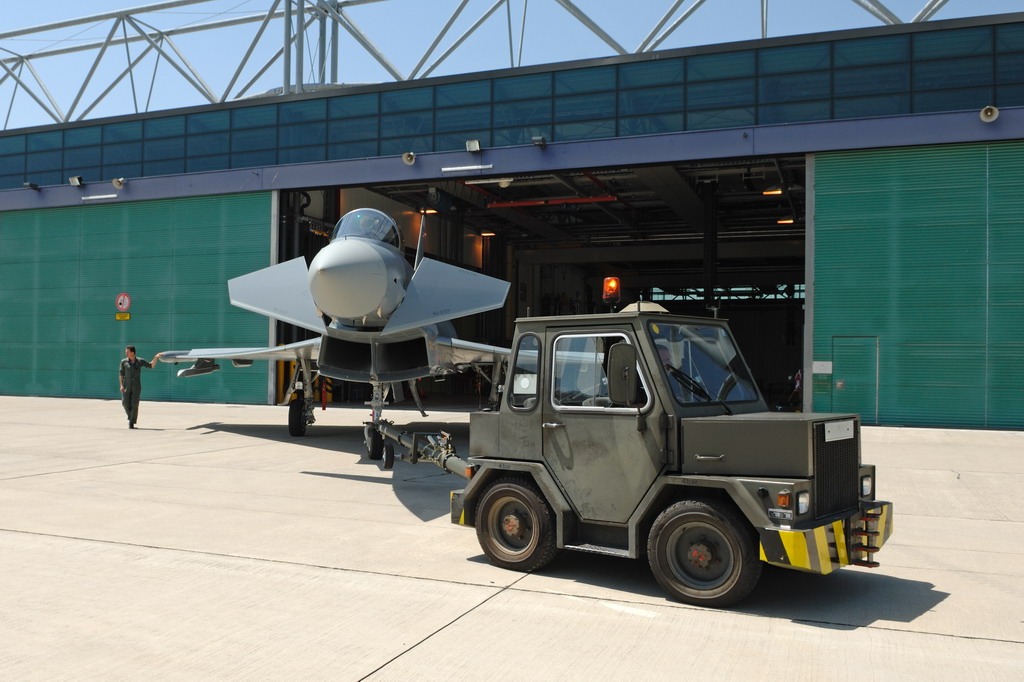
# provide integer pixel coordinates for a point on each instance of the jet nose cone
(348, 279)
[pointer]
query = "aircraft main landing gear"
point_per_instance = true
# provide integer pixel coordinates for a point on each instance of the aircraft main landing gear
(300, 409)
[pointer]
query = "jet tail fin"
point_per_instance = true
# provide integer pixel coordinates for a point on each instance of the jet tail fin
(439, 292)
(281, 292)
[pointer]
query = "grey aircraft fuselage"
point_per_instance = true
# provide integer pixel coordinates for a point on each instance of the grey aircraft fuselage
(379, 320)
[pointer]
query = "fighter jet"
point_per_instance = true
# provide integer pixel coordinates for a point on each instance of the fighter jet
(380, 321)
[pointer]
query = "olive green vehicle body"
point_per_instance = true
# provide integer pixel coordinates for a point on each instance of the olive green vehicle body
(608, 471)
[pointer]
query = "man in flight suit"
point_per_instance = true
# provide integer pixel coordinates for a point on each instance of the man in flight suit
(131, 382)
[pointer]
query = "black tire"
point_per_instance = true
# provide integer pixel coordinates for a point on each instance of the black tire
(704, 553)
(389, 456)
(515, 525)
(297, 415)
(374, 443)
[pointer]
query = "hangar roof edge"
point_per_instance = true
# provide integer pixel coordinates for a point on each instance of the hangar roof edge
(911, 130)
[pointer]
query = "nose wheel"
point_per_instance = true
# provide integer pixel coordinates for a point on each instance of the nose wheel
(374, 442)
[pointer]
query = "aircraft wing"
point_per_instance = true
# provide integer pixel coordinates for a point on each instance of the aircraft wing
(440, 292)
(203, 358)
(280, 291)
(461, 354)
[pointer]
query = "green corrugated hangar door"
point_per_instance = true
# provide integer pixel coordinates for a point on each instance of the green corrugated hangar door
(919, 285)
(61, 271)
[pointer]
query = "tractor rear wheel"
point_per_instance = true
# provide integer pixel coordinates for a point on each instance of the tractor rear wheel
(515, 525)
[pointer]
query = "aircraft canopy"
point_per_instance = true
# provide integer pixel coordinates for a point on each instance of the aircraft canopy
(369, 223)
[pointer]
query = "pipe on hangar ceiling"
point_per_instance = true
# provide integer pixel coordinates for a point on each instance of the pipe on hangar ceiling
(553, 202)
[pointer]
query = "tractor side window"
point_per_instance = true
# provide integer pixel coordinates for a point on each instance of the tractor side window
(579, 375)
(523, 389)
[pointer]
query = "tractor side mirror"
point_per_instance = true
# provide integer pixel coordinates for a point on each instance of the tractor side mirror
(622, 374)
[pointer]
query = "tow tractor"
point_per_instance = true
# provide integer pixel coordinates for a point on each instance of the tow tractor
(643, 434)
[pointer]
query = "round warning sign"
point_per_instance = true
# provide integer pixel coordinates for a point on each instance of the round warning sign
(123, 302)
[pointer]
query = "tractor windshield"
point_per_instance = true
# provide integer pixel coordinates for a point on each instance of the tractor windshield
(701, 363)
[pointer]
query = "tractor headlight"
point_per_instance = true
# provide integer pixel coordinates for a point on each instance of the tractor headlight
(866, 485)
(803, 501)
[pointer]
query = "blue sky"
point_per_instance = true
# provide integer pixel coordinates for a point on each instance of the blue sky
(403, 30)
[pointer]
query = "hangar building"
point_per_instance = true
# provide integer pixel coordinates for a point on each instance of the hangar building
(844, 198)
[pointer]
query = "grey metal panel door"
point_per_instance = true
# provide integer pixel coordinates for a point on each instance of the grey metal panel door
(855, 376)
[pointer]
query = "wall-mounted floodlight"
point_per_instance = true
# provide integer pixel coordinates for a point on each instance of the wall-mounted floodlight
(473, 146)
(30, 185)
(539, 141)
(76, 181)
(118, 183)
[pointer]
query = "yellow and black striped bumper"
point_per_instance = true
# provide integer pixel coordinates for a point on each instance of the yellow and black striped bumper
(458, 507)
(826, 548)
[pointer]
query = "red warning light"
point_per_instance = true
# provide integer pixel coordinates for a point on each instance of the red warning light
(612, 292)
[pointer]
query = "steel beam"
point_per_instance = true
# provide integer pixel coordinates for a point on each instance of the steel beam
(676, 193)
(641, 253)
(335, 34)
(250, 49)
(42, 85)
(649, 45)
(328, 13)
(928, 11)
(197, 28)
(28, 91)
(205, 88)
(286, 41)
(113, 84)
(189, 73)
(97, 18)
(148, 9)
(479, 197)
(353, 30)
(440, 36)
(675, 24)
(582, 17)
(299, 41)
(657, 27)
(92, 69)
(879, 11)
(462, 38)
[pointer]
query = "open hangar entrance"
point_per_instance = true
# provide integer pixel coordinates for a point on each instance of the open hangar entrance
(723, 238)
